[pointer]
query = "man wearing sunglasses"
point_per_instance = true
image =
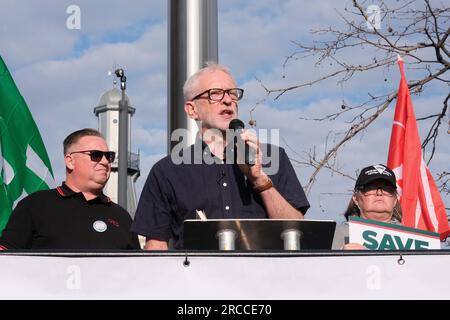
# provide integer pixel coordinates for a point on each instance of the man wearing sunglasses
(76, 215)
(218, 190)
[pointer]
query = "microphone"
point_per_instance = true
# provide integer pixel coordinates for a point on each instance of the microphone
(249, 153)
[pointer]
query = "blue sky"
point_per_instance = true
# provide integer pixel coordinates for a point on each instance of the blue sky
(62, 74)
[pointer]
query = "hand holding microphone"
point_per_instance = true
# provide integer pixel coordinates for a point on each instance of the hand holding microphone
(261, 182)
(249, 153)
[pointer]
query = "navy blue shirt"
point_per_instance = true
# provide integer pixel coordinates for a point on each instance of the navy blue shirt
(173, 193)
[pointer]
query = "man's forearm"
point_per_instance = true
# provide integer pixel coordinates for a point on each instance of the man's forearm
(277, 207)
(152, 244)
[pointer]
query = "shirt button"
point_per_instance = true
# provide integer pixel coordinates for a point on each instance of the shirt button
(224, 184)
(227, 208)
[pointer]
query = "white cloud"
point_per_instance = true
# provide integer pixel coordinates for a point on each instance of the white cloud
(62, 94)
(31, 32)
(62, 75)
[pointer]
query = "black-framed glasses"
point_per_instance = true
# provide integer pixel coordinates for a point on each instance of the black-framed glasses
(97, 155)
(371, 190)
(216, 94)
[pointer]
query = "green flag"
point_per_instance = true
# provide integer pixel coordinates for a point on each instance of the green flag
(24, 163)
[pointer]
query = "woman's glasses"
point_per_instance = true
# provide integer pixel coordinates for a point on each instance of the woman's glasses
(371, 190)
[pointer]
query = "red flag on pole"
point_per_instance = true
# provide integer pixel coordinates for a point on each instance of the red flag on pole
(420, 199)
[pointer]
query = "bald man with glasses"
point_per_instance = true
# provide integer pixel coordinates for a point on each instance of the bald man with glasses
(76, 215)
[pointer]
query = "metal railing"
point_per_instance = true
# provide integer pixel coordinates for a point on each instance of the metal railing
(133, 162)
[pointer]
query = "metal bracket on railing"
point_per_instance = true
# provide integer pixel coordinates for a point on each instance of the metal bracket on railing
(186, 262)
(401, 261)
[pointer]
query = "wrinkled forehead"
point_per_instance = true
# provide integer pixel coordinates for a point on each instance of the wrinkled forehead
(216, 79)
(90, 143)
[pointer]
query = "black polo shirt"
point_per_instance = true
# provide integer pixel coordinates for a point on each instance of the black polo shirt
(63, 219)
(173, 193)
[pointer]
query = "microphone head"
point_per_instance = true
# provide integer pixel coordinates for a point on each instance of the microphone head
(236, 124)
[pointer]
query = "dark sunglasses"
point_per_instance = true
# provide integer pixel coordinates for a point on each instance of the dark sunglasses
(387, 190)
(97, 155)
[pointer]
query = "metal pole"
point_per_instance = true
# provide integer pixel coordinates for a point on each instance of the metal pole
(193, 33)
(123, 143)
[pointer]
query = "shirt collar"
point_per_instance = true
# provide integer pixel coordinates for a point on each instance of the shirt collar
(65, 192)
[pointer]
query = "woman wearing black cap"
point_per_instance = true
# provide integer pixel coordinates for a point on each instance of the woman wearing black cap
(375, 197)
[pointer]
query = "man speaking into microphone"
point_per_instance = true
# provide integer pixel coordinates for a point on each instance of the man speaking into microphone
(234, 185)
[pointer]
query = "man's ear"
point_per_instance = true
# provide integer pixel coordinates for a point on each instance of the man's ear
(68, 159)
(191, 110)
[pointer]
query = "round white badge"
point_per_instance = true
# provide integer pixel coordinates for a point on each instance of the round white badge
(100, 226)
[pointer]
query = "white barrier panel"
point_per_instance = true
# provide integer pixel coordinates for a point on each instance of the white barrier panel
(225, 277)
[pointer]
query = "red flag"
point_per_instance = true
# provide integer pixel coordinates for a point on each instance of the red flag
(420, 199)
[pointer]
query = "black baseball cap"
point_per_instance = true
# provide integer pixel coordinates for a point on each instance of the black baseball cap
(376, 172)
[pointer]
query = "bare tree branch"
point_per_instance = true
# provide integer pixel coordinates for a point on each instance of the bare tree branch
(443, 182)
(353, 131)
(416, 30)
(434, 131)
